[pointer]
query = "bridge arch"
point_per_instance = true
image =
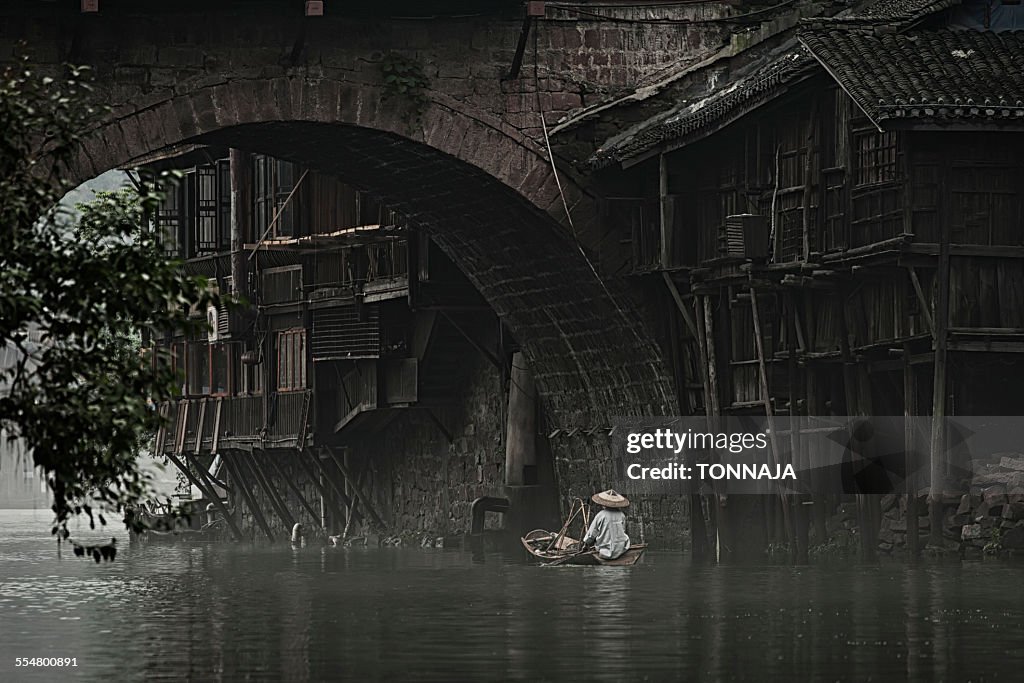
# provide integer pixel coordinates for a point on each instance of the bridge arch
(483, 191)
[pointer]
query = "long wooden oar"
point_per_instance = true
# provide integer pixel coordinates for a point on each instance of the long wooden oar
(560, 560)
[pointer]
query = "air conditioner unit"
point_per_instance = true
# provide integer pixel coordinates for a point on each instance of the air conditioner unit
(744, 236)
(213, 322)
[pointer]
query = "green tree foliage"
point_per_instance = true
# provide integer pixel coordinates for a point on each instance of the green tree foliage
(76, 299)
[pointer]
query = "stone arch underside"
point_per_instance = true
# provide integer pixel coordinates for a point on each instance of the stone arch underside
(482, 193)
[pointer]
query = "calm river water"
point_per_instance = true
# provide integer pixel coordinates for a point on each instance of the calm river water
(261, 613)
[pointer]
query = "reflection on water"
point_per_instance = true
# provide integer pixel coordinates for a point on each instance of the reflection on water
(258, 613)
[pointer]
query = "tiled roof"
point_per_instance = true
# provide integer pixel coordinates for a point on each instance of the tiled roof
(898, 13)
(718, 108)
(944, 74)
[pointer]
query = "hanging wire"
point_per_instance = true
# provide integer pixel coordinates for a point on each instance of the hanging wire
(630, 325)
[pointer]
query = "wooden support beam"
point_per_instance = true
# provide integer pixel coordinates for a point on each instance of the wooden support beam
(241, 485)
(209, 493)
(800, 512)
(808, 188)
(179, 437)
(768, 412)
(357, 489)
(202, 423)
(938, 431)
(925, 306)
(699, 529)
(909, 410)
(475, 344)
(294, 489)
(709, 329)
(211, 481)
(440, 425)
(350, 513)
(683, 310)
(665, 212)
(314, 478)
(216, 427)
(276, 501)
(517, 58)
(339, 490)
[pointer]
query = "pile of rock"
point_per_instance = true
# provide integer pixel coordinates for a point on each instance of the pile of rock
(987, 519)
(990, 518)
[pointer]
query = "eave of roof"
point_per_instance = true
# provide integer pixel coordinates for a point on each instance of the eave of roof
(927, 76)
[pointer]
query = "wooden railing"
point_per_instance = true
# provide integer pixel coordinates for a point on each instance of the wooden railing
(205, 425)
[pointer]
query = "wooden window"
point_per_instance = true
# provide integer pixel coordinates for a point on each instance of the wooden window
(386, 260)
(178, 355)
(207, 236)
(169, 221)
(198, 361)
(291, 360)
(209, 368)
(274, 180)
(220, 369)
(875, 157)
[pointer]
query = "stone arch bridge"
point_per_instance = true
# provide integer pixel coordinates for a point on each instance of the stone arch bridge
(465, 158)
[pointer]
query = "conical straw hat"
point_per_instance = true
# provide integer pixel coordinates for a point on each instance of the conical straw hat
(610, 499)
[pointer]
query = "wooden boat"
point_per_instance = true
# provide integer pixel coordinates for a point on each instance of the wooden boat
(554, 548)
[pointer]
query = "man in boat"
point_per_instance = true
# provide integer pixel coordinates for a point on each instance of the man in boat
(607, 532)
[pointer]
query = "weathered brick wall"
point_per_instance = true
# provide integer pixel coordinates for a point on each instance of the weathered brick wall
(584, 464)
(577, 58)
(422, 484)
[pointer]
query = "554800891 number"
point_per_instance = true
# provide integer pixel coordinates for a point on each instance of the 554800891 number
(46, 661)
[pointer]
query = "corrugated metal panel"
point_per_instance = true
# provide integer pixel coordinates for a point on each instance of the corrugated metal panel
(338, 333)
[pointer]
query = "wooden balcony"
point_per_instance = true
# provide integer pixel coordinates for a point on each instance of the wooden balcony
(209, 425)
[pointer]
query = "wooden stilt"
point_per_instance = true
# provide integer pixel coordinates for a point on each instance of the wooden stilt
(768, 412)
(711, 408)
(338, 488)
(325, 493)
(698, 529)
(850, 387)
(272, 495)
(801, 529)
(909, 410)
(313, 514)
(242, 486)
(941, 325)
(358, 490)
(209, 493)
(352, 508)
